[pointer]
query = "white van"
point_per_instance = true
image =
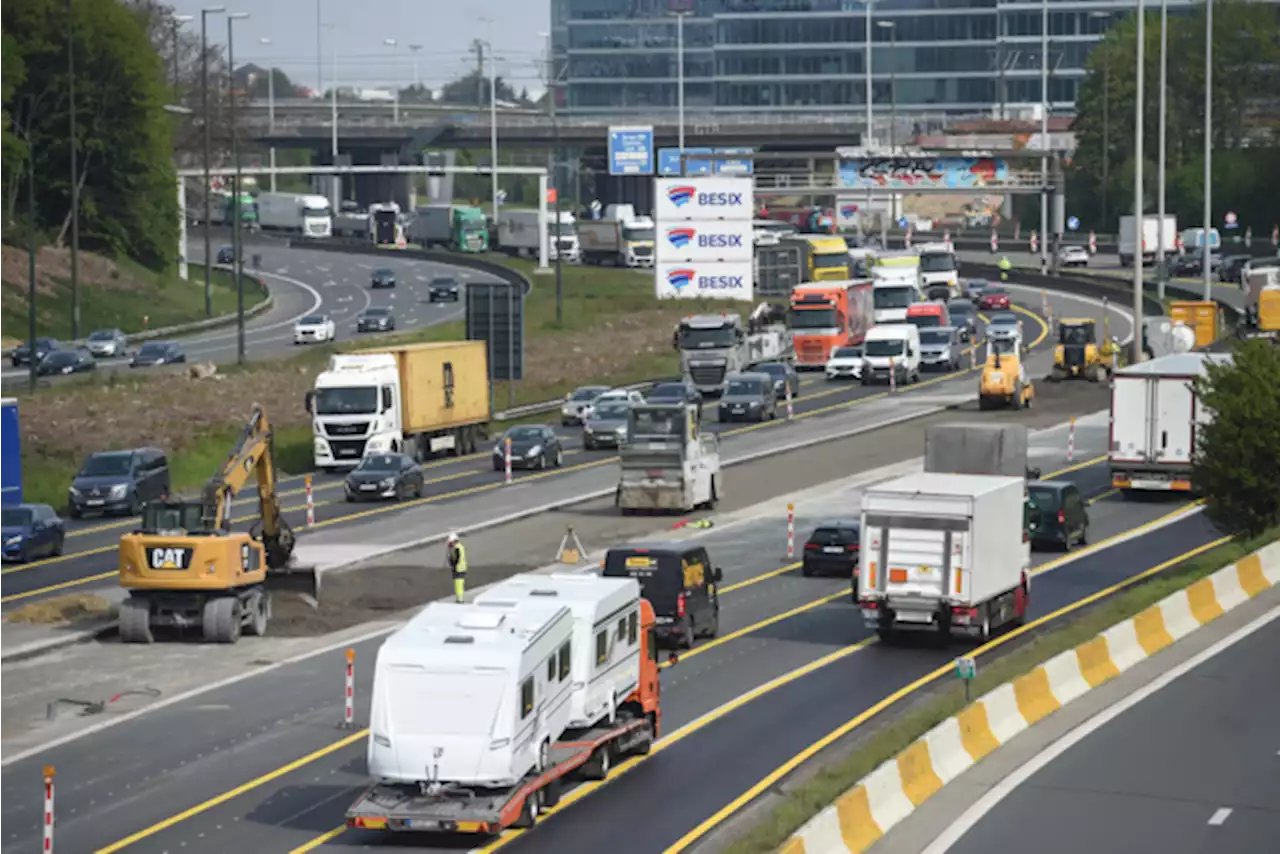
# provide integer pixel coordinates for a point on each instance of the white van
(896, 343)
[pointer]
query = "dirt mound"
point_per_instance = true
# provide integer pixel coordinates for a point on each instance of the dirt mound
(52, 263)
(71, 608)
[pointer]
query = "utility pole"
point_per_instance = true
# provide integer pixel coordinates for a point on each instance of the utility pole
(204, 119)
(555, 179)
(1164, 85)
(1208, 150)
(478, 46)
(32, 248)
(1139, 103)
(75, 174)
(237, 247)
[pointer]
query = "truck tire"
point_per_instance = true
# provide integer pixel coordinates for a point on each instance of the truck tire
(135, 621)
(529, 811)
(600, 763)
(260, 614)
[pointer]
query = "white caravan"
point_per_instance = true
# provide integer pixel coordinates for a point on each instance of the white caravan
(470, 695)
(605, 658)
(308, 214)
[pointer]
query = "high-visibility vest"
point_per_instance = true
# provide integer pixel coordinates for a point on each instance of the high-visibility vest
(459, 566)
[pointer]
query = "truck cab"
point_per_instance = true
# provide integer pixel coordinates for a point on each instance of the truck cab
(712, 346)
(667, 462)
(355, 409)
(939, 271)
(564, 238)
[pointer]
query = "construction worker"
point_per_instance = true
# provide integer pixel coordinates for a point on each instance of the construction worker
(456, 553)
(1005, 267)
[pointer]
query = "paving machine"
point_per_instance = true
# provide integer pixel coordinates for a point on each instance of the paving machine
(185, 567)
(1078, 354)
(1004, 380)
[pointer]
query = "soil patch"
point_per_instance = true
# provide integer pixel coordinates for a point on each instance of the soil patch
(73, 609)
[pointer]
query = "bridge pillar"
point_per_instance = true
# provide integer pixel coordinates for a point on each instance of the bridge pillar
(440, 187)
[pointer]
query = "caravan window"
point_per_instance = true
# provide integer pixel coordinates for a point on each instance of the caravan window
(526, 698)
(622, 630)
(551, 669)
(633, 626)
(602, 647)
(564, 662)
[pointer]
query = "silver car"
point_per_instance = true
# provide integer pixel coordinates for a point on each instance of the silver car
(577, 402)
(106, 343)
(940, 348)
(1004, 325)
(606, 425)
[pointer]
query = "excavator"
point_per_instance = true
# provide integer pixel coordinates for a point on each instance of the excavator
(185, 568)
(1078, 354)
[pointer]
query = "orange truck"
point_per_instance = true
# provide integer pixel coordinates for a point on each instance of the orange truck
(827, 315)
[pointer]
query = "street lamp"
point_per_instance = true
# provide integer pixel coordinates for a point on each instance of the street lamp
(395, 87)
(680, 15)
(868, 139)
(204, 114)
(555, 177)
(493, 121)
(1139, 102)
(236, 249)
(1044, 135)
(1164, 77)
(335, 184)
(417, 78)
(1208, 147)
(271, 114)
(1106, 118)
(893, 81)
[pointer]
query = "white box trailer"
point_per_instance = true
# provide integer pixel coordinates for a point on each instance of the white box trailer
(470, 696)
(1154, 414)
(604, 662)
(304, 213)
(945, 553)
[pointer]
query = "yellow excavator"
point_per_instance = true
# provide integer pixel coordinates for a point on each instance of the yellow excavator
(184, 567)
(1078, 354)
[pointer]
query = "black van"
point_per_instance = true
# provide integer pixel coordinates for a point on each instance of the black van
(680, 584)
(1059, 516)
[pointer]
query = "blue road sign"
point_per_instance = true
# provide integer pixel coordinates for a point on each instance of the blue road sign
(669, 162)
(1073, 222)
(902, 222)
(698, 167)
(733, 165)
(631, 150)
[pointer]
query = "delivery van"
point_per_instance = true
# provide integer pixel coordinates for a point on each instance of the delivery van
(680, 583)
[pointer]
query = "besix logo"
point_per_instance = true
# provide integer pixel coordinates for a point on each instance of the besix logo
(681, 196)
(680, 278)
(681, 237)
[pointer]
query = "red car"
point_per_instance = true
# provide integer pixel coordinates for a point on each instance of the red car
(993, 298)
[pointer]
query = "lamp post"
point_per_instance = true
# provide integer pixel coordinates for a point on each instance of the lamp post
(271, 114)
(1106, 118)
(204, 118)
(75, 177)
(555, 177)
(680, 16)
(236, 248)
(417, 78)
(893, 81)
(1208, 148)
(1164, 85)
(869, 140)
(395, 86)
(1139, 102)
(1044, 135)
(335, 181)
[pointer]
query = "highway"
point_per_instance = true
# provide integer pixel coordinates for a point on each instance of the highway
(466, 486)
(1192, 766)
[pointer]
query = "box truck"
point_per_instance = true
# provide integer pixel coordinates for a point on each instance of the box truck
(419, 399)
(460, 228)
(307, 214)
(1130, 247)
(518, 235)
(945, 553)
(457, 689)
(620, 239)
(10, 452)
(1154, 414)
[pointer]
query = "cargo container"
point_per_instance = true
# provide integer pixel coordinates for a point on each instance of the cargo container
(419, 399)
(10, 452)
(997, 449)
(460, 228)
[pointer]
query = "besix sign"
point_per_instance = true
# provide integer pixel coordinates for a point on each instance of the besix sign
(704, 199)
(704, 240)
(710, 280)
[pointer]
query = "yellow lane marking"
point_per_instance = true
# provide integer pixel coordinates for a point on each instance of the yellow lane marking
(1102, 544)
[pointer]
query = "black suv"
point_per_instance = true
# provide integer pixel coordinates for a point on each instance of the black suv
(383, 277)
(443, 289)
(21, 355)
(833, 549)
(676, 392)
(680, 584)
(118, 482)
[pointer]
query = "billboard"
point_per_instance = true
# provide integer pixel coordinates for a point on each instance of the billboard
(677, 199)
(923, 173)
(710, 280)
(631, 150)
(706, 240)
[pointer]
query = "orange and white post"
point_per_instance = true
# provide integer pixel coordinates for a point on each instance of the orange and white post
(791, 531)
(893, 377)
(48, 810)
(1071, 441)
(995, 242)
(507, 459)
(790, 410)
(349, 710)
(311, 503)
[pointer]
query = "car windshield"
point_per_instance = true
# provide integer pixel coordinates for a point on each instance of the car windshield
(893, 297)
(924, 321)
(312, 320)
(106, 465)
(958, 308)
(831, 536)
(380, 462)
(103, 335)
(835, 259)
(612, 412)
(994, 292)
(884, 348)
(443, 282)
(358, 400)
(975, 285)
(744, 387)
(1004, 320)
(61, 357)
(589, 393)
(699, 339)
(1043, 497)
(847, 353)
(773, 370)
(814, 318)
(376, 312)
(657, 422)
(523, 434)
(637, 234)
(935, 336)
(1075, 335)
(939, 262)
(667, 391)
(152, 350)
(383, 273)
(15, 517)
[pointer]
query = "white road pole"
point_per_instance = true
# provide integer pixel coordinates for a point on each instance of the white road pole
(1138, 211)
(1044, 134)
(1160, 180)
(1208, 148)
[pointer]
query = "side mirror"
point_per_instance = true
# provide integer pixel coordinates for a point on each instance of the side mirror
(717, 575)
(308, 402)
(673, 659)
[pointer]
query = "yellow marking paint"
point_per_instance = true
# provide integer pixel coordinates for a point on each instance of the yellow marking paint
(976, 734)
(1204, 601)
(1094, 659)
(915, 767)
(1252, 579)
(858, 826)
(1034, 696)
(1149, 626)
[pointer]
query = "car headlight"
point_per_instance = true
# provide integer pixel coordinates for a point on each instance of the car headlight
(498, 450)
(387, 482)
(534, 451)
(119, 490)
(73, 492)
(754, 404)
(14, 540)
(621, 431)
(587, 428)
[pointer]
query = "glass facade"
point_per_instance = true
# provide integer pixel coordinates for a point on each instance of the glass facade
(957, 57)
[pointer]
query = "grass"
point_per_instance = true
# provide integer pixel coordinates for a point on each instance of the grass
(806, 799)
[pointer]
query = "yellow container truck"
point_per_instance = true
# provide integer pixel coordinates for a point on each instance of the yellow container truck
(419, 399)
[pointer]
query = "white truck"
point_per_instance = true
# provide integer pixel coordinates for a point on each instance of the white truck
(939, 271)
(620, 239)
(1154, 415)
(351, 222)
(603, 663)
(307, 214)
(385, 226)
(712, 346)
(667, 462)
(518, 235)
(1130, 247)
(944, 553)
(893, 291)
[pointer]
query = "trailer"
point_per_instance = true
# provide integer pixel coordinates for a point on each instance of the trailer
(304, 213)
(10, 452)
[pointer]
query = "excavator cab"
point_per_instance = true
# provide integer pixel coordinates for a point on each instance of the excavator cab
(1077, 355)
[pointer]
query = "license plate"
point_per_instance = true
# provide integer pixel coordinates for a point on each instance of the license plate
(368, 487)
(915, 617)
(737, 410)
(833, 550)
(95, 502)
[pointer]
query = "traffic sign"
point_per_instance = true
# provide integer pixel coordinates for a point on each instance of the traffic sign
(1231, 220)
(631, 150)
(502, 197)
(966, 668)
(733, 165)
(668, 162)
(902, 222)
(1073, 222)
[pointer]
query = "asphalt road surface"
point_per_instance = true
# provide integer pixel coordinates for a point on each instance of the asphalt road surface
(465, 486)
(1192, 768)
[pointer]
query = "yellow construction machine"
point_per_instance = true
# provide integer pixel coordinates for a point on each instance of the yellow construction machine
(185, 567)
(1004, 381)
(1078, 354)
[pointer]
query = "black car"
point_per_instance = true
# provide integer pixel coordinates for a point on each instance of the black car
(394, 476)
(1058, 514)
(533, 446)
(677, 392)
(748, 397)
(66, 361)
(443, 289)
(833, 549)
(1190, 265)
(1231, 268)
(383, 277)
(964, 318)
(158, 353)
(784, 377)
(21, 354)
(680, 584)
(376, 319)
(973, 289)
(118, 481)
(226, 255)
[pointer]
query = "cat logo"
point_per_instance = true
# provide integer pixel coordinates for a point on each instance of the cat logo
(169, 558)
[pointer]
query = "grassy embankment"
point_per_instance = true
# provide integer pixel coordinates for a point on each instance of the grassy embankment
(614, 331)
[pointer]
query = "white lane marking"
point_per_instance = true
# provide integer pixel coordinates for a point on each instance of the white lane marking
(1220, 817)
(1110, 306)
(975, 813)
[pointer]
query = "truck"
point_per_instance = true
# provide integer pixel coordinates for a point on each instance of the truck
(824, 257)
(518, 235)
(893, 291)
(620, 239)
(416, 399)
(460, 228)
(712, 346)
(1130, 247)
(827, 315)
(1262, 303)
(939, 271)
(948, 554)
(306, 214)
(667, 462)
(1154, 416)
(384, 224)
(448, 749)
(779, 267)
(10, 453)
(995, 449)
(351, 223)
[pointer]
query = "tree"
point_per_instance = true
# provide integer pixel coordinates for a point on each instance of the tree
(257, 84)
(473, 89)
(1235, 456)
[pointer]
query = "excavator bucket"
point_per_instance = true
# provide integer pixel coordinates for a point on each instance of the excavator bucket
(303, 580)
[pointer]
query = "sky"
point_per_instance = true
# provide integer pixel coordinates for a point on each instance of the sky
(444, 29)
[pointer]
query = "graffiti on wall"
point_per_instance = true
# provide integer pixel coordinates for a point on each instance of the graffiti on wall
(908, 173)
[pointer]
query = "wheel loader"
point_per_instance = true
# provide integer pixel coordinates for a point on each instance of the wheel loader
(1078, 355)
(185, 568)
(1004, 380)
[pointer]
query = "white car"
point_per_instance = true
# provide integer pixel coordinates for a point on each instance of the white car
(845, 363)
(578, 401)
(1073, 256)
(618, 394)
(1005, 326)
(313, 329)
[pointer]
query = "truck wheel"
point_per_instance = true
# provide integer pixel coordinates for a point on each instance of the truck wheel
(529, 812)
(886, 634)
(135, 621)
(600, 763)
(985, 632)
(260, 607)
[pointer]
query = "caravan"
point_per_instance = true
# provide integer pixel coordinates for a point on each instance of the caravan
(471, 696)
(604, 661)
